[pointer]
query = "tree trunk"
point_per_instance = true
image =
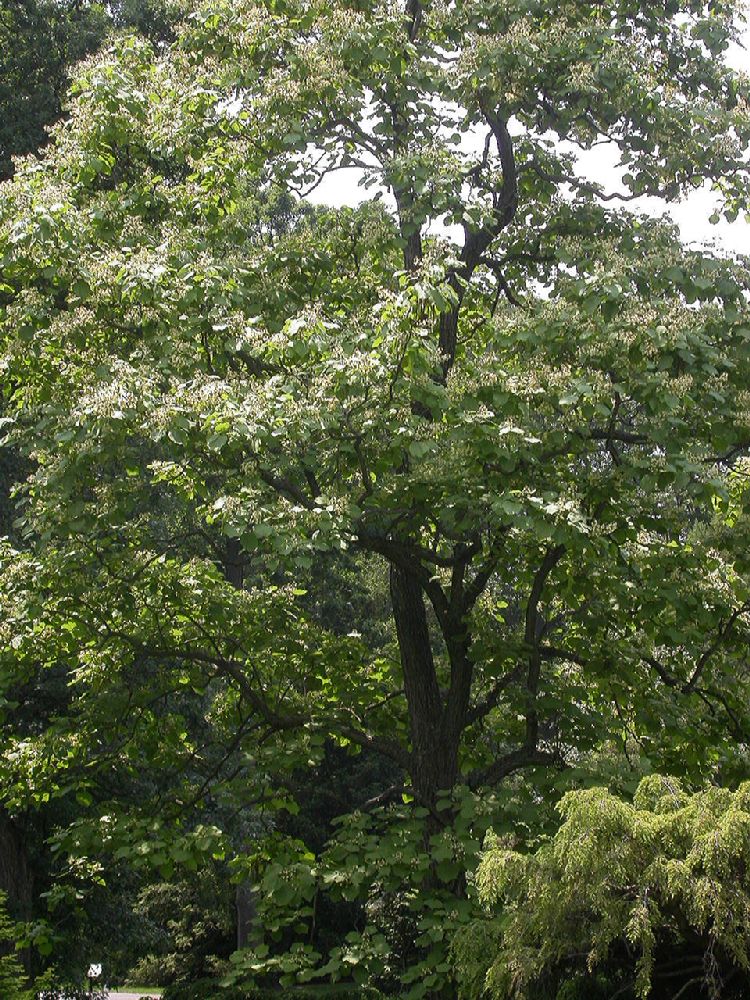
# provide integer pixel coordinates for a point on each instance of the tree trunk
(247, 914)
(434, 752)
(244, 897)
(16, 879)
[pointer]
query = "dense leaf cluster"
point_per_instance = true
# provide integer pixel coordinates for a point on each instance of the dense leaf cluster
(40, 43)
(651, 895)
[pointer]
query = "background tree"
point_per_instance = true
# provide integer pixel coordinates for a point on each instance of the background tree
(529, 428)
(40, 43)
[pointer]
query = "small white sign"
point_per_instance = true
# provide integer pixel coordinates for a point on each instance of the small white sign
(95, 971)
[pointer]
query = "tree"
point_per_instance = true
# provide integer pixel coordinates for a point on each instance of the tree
(40, 42)
(651, 895)
(529, 427)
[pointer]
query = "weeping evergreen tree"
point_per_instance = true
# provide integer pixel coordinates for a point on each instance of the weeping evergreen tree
(649, 898)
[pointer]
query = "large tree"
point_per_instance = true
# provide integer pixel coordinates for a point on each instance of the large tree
(523, 403)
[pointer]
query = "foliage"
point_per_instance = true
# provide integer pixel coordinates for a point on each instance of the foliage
(40, 42)
(654, 894)
(379, 855)
(194, 928)
(530, 425)
(208, 989)
(13, 983)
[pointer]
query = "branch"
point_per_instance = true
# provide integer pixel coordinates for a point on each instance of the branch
(477, 241)
(408, 557)
(708, 653)
(378, 744)
(578, 183)
(611, 430)
(312, 481)
(514, 761)
(740, 732)
(414, 18)
(277, 721)
(391, 794)
(555, 653)
(690, 685)
(610, 434)
(234, 744)
(476, 170)
(531, 637)
(462, 556)
(477, 585)
(736, 451)
(686, 986)
(551, 558)
(286, 487)
(321, 175)
(371, 143)
(483, 708)
(501, 281)
(253, 366)
(376, 541)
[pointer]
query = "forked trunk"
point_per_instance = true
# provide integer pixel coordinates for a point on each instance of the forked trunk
(434, 752)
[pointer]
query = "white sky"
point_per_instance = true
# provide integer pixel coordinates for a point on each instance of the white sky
(691, 215)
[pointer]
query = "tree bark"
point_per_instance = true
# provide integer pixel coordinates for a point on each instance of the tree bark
(244, 898)
(247, 915)
(434, 752)
(16, 879)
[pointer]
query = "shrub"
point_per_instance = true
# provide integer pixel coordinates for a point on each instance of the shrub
(209, 989)
(154, 969)
(650, 898)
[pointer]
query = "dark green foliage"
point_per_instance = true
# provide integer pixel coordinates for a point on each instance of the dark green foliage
(40, 43)
(154, 19)
(202, 989)
(340, 782)
(209, 989)
(12, 979)
(586, 987)
(10, 467)
(192, 924)
(13, 469)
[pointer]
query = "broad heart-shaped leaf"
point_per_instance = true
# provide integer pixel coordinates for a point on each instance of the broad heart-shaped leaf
(256, 438)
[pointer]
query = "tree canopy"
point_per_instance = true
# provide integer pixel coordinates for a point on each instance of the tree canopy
(501, 396)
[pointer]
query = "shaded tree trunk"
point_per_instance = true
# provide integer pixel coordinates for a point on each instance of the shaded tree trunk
(247, 914)
(16, 878)
(434, 752)
(245, 905)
